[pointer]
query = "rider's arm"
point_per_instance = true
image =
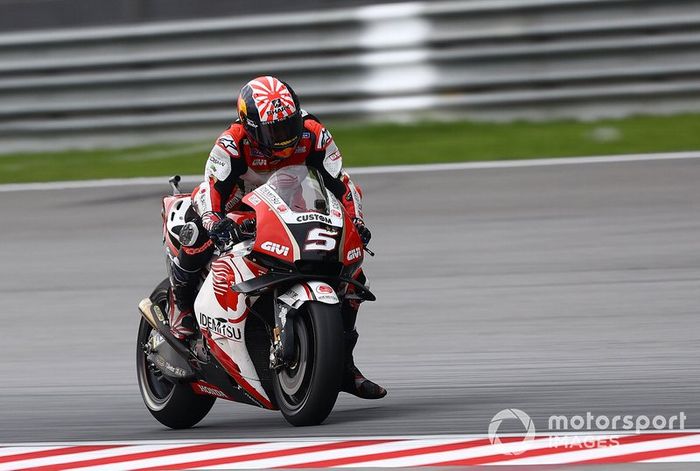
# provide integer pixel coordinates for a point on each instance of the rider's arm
(223, 170)
(327, 158)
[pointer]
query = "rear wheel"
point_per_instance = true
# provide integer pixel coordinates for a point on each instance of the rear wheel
(307, 389)
(174, 405)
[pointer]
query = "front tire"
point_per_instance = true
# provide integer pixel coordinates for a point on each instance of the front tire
(306, 391)
(174, 405)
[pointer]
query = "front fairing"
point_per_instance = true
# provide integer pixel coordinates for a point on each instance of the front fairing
(301, 222)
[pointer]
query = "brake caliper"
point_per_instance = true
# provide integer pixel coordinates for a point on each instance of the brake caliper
(282, 349)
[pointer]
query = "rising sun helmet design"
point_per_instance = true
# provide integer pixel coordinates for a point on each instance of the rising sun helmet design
(270, 114)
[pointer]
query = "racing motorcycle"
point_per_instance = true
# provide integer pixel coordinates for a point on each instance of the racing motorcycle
(268, 309)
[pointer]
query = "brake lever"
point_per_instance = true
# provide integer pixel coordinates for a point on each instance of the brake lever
(369, 251)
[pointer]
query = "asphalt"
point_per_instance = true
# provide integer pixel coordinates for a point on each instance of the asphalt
(554, 290)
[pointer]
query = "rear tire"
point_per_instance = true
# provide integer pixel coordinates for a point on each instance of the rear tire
(306, 393)
(174, 405)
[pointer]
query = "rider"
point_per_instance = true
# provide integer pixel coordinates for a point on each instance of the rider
(271, 132)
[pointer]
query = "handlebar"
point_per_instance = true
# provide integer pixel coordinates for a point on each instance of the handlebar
(240, 233)
(175, 184)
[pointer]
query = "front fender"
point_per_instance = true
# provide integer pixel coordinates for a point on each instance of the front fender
(306, 291)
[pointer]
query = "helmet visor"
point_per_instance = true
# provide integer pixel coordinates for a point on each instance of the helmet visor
(280, 135)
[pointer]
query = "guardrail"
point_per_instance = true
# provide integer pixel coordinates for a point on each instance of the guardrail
(495, 59)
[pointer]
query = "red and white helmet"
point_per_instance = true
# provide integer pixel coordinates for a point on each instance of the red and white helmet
(269, 111)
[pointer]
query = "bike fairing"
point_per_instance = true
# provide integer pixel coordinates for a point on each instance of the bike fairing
(235, 268)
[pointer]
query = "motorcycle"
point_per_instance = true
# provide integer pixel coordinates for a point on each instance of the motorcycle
(268, 310)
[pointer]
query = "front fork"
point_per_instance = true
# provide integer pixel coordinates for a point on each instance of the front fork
(286, 306)
(282, 351)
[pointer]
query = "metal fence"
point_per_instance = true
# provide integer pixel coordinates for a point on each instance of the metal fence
(490, 59)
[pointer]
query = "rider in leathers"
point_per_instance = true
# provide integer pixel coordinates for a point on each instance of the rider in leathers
(271, 132)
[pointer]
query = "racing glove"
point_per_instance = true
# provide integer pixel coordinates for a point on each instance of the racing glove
(222, 231)
(225, 230)
(365, 234)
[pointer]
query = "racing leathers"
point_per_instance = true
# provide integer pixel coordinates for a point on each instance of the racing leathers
(235, 167)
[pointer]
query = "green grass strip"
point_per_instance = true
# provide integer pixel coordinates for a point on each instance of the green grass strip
(387, 144)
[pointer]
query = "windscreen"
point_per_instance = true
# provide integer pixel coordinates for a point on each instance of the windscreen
(301, 188)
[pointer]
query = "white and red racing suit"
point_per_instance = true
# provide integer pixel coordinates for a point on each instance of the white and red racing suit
(235, 167)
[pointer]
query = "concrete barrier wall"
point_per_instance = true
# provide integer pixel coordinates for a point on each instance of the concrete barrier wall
(495, 59)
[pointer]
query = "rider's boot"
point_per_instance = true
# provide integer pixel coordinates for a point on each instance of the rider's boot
(354, 381)
(183, 285)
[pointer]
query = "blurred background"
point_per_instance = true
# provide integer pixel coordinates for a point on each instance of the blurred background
(156, 80)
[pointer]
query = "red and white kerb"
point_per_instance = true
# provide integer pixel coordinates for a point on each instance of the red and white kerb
(272, 99)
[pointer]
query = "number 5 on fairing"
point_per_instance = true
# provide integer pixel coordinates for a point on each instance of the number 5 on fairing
(320, 239)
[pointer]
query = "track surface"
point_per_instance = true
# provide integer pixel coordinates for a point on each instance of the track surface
(556, 290)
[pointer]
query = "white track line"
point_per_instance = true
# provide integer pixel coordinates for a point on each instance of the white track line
(348, 452)
(423, 459)
(689, 458)
(608, 451)
(446, 436)
(77, 456)
(555, 455)
(411, 452)
(18, 450)
(175, 458)
(112, 182)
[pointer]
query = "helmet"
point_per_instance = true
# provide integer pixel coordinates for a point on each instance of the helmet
(269, 111)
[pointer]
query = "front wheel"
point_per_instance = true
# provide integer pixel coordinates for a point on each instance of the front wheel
(307, 389)
(174, 405)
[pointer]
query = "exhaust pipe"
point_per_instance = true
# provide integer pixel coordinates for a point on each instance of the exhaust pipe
(154, 316)
(145, 306)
